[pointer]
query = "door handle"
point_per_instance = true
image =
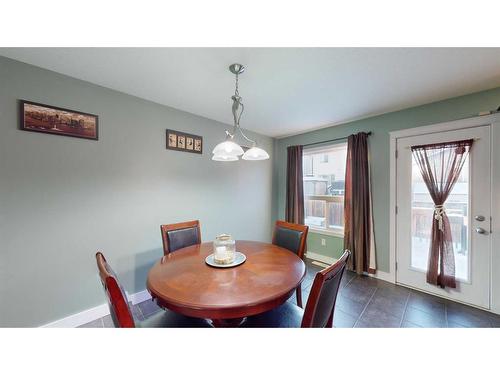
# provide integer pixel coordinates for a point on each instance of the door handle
(480, 230)
(479, 217)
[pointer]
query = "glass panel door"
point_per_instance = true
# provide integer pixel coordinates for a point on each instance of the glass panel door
(468, 208)
(457, 209)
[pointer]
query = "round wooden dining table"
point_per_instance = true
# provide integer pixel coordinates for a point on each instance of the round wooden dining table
(182, 282)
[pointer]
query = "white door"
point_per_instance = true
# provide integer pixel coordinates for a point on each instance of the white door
(468, 208)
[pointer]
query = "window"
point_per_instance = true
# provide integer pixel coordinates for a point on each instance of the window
(324, 175)
(307, 165)
(457, 210)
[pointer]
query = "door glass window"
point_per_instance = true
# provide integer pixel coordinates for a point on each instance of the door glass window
(457, 209)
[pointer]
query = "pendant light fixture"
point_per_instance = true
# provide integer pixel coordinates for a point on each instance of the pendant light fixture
(229, 150)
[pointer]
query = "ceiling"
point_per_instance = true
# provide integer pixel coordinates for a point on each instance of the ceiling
(285, 90)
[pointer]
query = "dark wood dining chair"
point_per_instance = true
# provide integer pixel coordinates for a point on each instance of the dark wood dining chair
(120, 311)
(292, 237)
(320, 306)
(180, 235)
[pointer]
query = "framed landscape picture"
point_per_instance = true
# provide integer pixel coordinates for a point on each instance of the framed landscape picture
(44, 118)
(180, 141)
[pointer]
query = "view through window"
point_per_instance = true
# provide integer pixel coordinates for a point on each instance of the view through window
(422, 213)
(324, 184)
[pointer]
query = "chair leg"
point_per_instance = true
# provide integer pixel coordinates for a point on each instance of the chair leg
(329, 324)
(299, 295)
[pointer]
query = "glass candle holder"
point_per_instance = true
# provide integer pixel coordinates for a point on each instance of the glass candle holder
(224, 249)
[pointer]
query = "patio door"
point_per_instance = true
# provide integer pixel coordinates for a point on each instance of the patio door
(468, 208)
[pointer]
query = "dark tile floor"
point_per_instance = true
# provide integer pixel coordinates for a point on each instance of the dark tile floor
(366, 302)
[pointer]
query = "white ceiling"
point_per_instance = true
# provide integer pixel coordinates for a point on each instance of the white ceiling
(285, 90)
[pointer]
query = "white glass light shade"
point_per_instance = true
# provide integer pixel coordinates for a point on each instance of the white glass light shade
(228, 148)
(224, 158)
(255, 153)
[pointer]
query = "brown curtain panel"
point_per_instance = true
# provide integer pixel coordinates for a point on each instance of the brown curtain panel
(440, 165)
(358, 220)
(294, 211)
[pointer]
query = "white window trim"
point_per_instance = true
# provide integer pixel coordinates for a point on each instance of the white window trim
(328, 232)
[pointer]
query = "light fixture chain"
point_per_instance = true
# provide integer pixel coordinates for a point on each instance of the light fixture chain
(238, 106)
(236, 92)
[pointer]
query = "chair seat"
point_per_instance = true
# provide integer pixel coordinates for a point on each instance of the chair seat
(287, 315)
(170, 319)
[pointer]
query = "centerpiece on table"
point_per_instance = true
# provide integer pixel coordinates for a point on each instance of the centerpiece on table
(225, 254)
(224, 249)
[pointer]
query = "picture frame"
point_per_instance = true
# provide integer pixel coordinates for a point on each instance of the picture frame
(49, 119)
(172, 140)
(180, 141)
(197, 144)
(189, 143)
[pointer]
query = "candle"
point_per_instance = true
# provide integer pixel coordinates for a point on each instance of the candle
(220, 252)
(224, 249)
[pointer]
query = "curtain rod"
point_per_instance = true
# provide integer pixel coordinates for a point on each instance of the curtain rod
(330, 140)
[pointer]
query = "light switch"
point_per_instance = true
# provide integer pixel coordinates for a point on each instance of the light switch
(323, 242)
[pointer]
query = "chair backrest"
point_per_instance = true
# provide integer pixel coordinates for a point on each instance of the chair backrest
(180, 235)
(291, 236)
(117, 299)
(321, 302)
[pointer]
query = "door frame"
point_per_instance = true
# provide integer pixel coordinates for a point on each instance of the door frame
(494, 121)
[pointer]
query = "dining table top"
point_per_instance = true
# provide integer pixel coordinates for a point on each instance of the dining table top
(181, 281)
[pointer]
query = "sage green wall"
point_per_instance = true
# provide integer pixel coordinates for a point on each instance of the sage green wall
(447, 110)
(62, 198)
(333, 245)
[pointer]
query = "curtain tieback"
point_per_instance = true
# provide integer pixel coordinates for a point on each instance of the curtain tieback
(438, 215)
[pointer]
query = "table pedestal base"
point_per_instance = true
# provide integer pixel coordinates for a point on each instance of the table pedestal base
(228, 323)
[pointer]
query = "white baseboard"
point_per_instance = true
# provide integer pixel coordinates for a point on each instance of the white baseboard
(139, 297)
(94, 313)
(320, 258)
(386, 276)
(80, 318)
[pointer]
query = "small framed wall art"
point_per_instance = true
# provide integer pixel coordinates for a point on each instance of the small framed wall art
(44, 118)
(180, 141)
